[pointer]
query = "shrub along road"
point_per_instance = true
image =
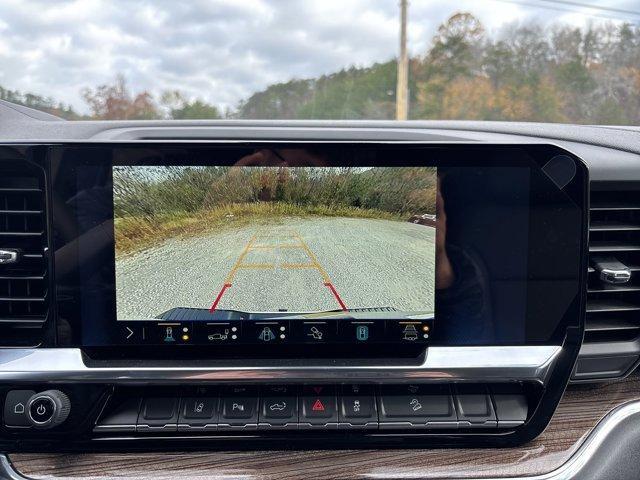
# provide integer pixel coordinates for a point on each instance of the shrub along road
(297, 264)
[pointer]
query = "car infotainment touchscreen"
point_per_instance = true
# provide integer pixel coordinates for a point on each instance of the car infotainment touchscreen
(256, 246)
(207, 242)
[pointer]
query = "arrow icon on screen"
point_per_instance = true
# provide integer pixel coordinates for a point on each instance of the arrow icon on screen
(130, 334)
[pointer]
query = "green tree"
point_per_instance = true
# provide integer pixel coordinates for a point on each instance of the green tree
(38, 102)
(181, 108)
(454, 53)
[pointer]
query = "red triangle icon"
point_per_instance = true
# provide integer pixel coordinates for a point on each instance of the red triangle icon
(318, 406)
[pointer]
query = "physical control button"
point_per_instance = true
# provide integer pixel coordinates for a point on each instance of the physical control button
(199, 407)
(278, 407)
(358, 407)
(42, 410)
(511, 406)
(474, 407)
(239, 408)
(318, 406)
(15, 408)
(121, 415)
(48, 409)
(426, 406)
(159, 408)
(198, 412)
(158, 413)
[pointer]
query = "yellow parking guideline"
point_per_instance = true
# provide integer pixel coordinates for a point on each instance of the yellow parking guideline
(264, 247)
(301, 244)
(313, 258)
(293, 266)
(244, 253)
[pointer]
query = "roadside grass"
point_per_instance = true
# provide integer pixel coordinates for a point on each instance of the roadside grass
(137, 233)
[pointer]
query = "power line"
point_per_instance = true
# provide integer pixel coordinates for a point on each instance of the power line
(594, 7)
(570, 10)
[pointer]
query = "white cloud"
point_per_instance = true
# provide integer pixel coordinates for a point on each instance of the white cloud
(218, 50)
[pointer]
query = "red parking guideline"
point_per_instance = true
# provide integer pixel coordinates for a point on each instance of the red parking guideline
(335, 294)
(217, 300)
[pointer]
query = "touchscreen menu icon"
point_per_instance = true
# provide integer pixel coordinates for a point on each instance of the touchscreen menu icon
(268, 332)
(219, 332)
(266, 335)
(317, 332)
(361, 331)
(410, 331)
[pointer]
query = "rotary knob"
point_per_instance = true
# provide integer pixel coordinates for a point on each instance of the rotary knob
(48, 409)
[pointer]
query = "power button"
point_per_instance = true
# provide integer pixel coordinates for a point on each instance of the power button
(42, 410)
(48, 409)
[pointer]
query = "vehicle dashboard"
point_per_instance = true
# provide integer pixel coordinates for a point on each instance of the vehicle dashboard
(520, 407)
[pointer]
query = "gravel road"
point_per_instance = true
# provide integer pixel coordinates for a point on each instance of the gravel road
(368, 262)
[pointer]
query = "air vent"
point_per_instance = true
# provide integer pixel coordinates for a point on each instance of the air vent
(24, 304)
(612, 331)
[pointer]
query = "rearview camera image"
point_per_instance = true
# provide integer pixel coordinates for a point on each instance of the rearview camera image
(317, 240)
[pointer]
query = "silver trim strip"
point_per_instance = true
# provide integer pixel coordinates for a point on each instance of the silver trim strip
(67, 365)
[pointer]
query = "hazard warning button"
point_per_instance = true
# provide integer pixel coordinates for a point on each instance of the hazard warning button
(318, 406)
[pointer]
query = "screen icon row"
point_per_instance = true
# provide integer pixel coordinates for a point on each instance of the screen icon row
(276, 332)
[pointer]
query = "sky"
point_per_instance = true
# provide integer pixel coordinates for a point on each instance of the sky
(224, 50)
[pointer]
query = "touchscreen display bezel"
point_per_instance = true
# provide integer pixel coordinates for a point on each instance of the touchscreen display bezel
(557, 236)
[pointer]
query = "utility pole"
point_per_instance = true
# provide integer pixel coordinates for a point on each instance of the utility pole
(402, 86)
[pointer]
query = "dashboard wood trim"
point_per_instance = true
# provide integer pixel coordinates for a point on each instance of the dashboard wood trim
(580, 410)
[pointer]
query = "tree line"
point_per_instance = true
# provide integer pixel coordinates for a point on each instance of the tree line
(557, 73)
(529, 73)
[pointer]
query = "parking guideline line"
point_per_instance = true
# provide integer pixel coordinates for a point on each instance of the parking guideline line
(229, 280)
(301, 244)
(257, 266)
(219, 297)
(323, 273)
(244, 253)
(336, 295)
(313, 258)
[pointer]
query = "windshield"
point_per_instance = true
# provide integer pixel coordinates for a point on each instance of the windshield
(510, 60)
